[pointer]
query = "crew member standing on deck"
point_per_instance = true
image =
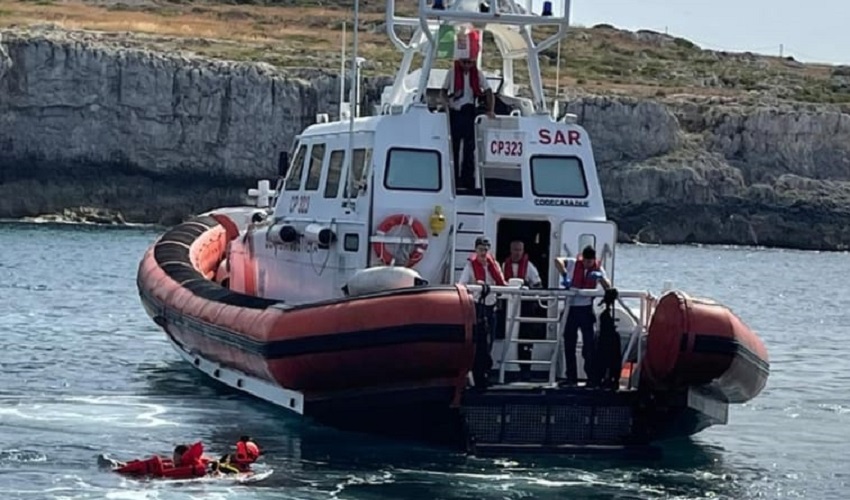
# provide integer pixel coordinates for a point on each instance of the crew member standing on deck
(463, 85)
(583, 273)
(482, 269)
(517, 265)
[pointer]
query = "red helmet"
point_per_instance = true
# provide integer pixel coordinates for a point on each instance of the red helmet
(247, 451)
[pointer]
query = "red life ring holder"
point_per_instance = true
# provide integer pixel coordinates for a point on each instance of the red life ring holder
(419, 248)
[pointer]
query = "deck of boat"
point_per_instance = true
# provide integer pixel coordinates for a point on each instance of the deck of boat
(541, 417)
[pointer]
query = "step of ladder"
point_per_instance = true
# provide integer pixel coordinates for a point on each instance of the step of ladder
(514, 321)
(538, 320)
(530, 341)
(528, 362)
(470, 224)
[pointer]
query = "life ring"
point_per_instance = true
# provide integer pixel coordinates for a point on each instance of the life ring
(420, 243)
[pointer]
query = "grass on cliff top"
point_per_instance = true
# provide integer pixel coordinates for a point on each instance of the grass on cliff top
(300, 33)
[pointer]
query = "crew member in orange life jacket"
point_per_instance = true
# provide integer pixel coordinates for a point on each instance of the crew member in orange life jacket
(482, 268)
(517, 265)
(247, 452)
(582, 273)
(463, 85)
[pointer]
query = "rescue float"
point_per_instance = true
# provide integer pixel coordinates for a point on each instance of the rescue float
(335, 296)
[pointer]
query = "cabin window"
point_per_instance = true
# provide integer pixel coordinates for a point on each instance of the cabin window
(558, 176)
(314, 174)
(334, 173)
(361, 158)
(586, 240)
(413, 170)
(351, 242)
(293, 182)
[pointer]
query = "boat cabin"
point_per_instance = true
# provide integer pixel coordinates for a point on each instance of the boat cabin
(378, 190)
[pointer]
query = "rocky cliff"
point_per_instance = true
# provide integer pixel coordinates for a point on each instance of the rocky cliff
(93, 120)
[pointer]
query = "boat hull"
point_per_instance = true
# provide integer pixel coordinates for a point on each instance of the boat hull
(397, 362)
(700, 343)
(577, 419)
(500, 420)
(415, 340)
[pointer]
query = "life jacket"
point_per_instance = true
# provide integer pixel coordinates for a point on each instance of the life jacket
(474, 81)
(151, 467)
(193, 464)
(521, 271)
(247, 452)
(492, 266)
(580, 275)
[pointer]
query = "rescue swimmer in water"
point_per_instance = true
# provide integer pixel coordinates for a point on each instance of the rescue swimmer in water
(247, 452)
(189, 461)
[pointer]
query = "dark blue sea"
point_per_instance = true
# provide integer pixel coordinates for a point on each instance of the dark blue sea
(84, 371)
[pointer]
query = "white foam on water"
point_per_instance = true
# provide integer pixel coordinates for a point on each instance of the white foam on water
(12, 412)
(554, 484)
(503, 462)
(383, 477)
(23, 456)
(149, 417)
(121, 412)
(575, 478)
(468, 475)
(131, 495)
(835, 408)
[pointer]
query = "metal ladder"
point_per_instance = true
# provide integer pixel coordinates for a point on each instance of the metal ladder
(514, 321)
(470, 215)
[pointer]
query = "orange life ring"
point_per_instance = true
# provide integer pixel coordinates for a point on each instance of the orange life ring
(419, 231)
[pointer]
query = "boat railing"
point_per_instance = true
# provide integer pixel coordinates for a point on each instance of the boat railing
(435, 13)
(506, 12)
(557, 302)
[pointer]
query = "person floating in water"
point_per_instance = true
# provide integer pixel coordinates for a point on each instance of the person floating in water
(188, 461)
(247, 452)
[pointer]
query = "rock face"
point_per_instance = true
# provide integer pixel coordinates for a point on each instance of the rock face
(91, 120)
(66, 99)
(87, 121)
(719, 172)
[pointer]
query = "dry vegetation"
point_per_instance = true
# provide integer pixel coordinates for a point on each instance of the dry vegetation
(299, 33)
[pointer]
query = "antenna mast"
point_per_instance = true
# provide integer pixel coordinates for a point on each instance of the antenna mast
(555, 106)
(352, 105)
(342, 73)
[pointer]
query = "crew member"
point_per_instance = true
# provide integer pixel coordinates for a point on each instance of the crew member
(517, 265)
(247, 452)
(583, 273)
(465, 83)
(482, 269)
